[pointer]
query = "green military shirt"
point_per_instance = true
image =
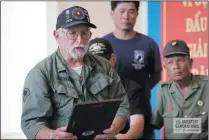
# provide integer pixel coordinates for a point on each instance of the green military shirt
(51, 88)
(171, 104)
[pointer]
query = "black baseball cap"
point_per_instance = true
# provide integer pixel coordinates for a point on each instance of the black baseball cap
(73, 16)
(176, 47)
(101, 47)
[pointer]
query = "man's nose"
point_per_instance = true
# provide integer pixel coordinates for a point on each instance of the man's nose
(176, 65)
(125, 15)
(79, 38)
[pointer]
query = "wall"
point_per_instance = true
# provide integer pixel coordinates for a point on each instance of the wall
(24, 43)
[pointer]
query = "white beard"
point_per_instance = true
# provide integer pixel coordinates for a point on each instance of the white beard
(77, 53)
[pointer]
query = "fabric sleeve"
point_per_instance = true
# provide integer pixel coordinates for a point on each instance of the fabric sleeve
(157, 118)
(36, 104)
(140, 104)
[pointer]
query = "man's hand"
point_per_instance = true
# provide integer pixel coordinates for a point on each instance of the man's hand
(108, 134)
(61, 133)
(117, 125)
(121, 136)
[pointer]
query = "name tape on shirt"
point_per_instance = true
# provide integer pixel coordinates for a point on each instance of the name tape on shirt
(187, 125)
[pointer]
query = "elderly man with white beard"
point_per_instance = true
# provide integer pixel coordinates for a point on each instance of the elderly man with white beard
(70, 75)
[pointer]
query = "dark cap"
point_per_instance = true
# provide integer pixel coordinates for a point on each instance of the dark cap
(73, 16)
(101, 47)
(176, 47)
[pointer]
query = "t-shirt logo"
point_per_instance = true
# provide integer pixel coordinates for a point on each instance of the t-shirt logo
(138, 59)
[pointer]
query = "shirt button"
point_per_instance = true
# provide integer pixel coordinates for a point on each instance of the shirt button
(81, 79)
(203, 113)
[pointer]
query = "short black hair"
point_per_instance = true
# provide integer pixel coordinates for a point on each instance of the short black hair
(114, 4)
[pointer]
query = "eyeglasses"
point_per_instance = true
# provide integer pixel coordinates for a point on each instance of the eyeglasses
(72, 35)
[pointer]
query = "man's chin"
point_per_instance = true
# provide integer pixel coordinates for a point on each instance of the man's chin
(79, 56)
(126, 29)
(177, 78)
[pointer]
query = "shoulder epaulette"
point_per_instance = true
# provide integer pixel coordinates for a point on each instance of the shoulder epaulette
(202, 77)
(166, 83)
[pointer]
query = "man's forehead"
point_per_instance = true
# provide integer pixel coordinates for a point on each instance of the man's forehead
(129, 9)
(126, 6)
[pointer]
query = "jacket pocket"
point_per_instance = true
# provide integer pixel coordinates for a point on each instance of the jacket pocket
(64, 99)
(202, 113)
(100, 88)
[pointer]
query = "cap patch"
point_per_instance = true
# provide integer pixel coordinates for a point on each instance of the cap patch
(77, 13)
(174, 43)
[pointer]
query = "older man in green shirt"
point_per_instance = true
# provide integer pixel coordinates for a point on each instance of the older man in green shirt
(68, 76)
(181, 103)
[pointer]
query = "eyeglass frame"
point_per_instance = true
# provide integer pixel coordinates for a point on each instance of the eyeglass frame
(88, 36)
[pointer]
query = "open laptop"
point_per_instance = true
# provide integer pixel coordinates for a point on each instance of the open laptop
(92, 118)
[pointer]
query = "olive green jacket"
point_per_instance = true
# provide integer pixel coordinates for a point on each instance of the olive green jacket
(171, 104)
(51, 88)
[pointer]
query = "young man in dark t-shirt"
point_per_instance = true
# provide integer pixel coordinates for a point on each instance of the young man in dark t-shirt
(138, 56)
(140, 109)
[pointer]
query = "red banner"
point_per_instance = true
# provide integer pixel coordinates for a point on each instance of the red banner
(187, 21)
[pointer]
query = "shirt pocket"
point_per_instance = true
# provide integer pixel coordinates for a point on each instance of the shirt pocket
(64, 99)
(202, 113)
(168, 120)
(100, 89)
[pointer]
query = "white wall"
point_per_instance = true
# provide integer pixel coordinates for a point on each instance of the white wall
(27, 38)
(51, 12)
(24, 43)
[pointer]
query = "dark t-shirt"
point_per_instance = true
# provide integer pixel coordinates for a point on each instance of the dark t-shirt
(137, 58)
(139, 104)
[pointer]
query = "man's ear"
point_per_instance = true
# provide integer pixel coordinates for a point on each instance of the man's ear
(56, 35)
(191, 62)
(164, 66)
